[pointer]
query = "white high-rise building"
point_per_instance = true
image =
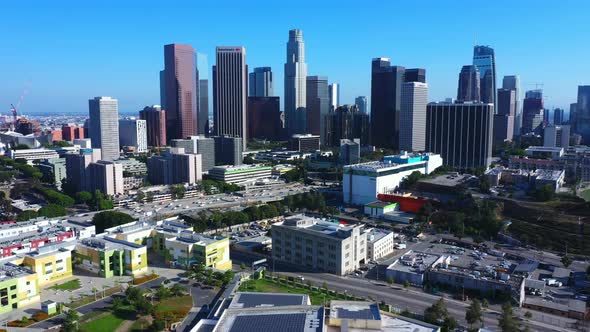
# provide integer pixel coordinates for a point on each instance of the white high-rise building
(104, 126)
(295, 84)
(334, 92)
(133, 133)
(556, 136)
(513, 83)
(412, 117)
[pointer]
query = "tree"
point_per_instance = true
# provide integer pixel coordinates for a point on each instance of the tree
(484, 184)
(449, 324)
(544, 193)
(163, 292)
(83, 197)
(26, 215)
(178, 290)
(108, 219)
(177, 191)
(474, 313)
(566, 261)
(71, 321)
(436, 313)
(52, 211)
(528, 315)
(140, 196)
(507, 320)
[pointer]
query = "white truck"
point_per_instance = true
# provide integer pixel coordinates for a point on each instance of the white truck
(400, 246)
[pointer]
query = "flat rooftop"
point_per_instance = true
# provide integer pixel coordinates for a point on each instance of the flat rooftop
(548, 175)
(381, 204)
(448, 180)
(197, 238)
(376, 234)
(415, 262)
(354, 310)
(255, 300)
(10, 271)
(108, 243)
(317, 226)
(283, 319)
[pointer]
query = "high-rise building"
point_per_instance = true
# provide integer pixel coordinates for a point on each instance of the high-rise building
(155, 121)
(533, 112)
(556, 136)
(350, 151)
(203, 123)
(582, 114)
(415, 75)
(460, 133)
(334, 95)
(104, 123)
(204, 146)
(261, 82)
(504, 117)
(469, 84)
(304, 142)
(295, 84)
(558, 116)
(133, 133)
(386, 83)
(77, 165)
(264, 118)
(106, 177)
(485, 60)
(180, 91)
(175, 166)
(230, 92)
(361, 103)
(70, 132)
(412, 116)
(228, 150)
(346, 122)
(512, 82)
(318, 105)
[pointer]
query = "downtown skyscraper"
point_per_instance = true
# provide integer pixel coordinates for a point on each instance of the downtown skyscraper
(485, 60)
(261, 83)
(318, 105)
(512, 82)
(581, 116)
(230, 92)
(104, 126)
(386, 81)
(295, 85)
(180, 91)
(468, 88)
(412, 118)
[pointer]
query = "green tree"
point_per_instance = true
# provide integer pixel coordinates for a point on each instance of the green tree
(507, 320)
(83, 197)
(178, 290)
(566, 261)
(474, 313)
(71, 321)
(26, 215)
(436, 313)
(177, 191)
(52, 211)
(140, 196)
(449, 324)
(484, 184)
(163, 292)
(108, 219)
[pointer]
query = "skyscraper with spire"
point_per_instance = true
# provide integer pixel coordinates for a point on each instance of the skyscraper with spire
(295, 84)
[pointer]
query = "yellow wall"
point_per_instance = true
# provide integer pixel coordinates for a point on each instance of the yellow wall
(51, 268)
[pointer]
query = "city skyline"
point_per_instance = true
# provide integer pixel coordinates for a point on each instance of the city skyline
(52, 70)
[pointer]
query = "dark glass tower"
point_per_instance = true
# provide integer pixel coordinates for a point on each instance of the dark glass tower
(386, 81)
(485, 60)
(469, 84)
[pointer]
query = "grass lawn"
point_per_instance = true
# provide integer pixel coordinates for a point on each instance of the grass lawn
(105, 322)
(316, 297)
(176, 307)
(68, 285)
(140, 325)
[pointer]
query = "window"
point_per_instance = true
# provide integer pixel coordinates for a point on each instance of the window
(13, 296)
(13, 287)
(59, 261)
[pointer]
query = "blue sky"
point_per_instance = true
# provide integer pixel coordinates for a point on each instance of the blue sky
(70, 51)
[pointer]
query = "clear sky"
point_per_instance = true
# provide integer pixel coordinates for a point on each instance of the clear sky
(70, 51)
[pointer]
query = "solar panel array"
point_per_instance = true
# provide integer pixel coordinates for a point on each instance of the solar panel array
(355, 314)
(256, 300)
(280, 322)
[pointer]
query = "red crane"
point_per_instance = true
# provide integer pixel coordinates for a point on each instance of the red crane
(14, 113)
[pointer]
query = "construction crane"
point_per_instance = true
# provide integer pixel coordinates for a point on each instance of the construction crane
(14, 112)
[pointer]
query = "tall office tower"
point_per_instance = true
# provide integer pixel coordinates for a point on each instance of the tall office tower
(155, 121)
(386, 83)
(264, 118)
(415, 75)
(106, 177)
(203, 122)
(460, 133)
(504, 117)
(533, 112)
(76, 166)
(350, 151)
(204, 146)
(261, 82)
(295, 84)
(104, 123)
(572, 117)
(163, 88)
(361, 103)
(556, 136)
(230, 92)
(175, 166)
(558, 116)
(412, 116)
(485, 60)
(133, 133)
(582, 119)
(180, 85)
(318, 105)
(512, 82)
(334, 94)
(469, 84)
(228, 150)
(346, 122)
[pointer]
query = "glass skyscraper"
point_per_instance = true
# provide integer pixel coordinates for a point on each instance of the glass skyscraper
(485, 60)
(295, 84)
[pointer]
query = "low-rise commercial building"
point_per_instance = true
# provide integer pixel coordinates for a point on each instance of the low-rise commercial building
(412, 267)
(51, 263)
(31, 155)
(319, 245)
(544, 151)
(108, 257)
(18, 287)
(194, 248)
(305, 142)
(363, 182)
(240, 174)
(380, 243)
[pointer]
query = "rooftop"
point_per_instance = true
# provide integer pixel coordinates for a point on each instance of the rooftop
(10, 271)
(376, 234)
(548, 175)
(255, 300)
(197, 238)
(283, 319)
(317, 226)
(354, 310)
(108, 243)
(381, 204)
(417, 262)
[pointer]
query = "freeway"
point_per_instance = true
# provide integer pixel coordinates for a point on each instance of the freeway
(401, 298)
